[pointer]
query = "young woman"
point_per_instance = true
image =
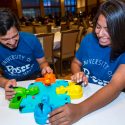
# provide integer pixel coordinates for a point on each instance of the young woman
(99, 60)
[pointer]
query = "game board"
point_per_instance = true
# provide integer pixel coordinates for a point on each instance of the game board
(42, 97)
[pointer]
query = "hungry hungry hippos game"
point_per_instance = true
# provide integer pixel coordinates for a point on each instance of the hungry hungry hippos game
(44, 95)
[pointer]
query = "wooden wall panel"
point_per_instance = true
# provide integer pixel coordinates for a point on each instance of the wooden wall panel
(9, 4)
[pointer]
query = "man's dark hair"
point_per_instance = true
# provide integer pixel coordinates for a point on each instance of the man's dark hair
(7, 20)
(114, 12)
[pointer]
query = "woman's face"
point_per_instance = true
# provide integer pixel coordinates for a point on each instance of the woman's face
(101, 31)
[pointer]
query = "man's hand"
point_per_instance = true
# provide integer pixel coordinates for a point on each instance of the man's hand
(9, 92)
(44, 66)
(46, 69)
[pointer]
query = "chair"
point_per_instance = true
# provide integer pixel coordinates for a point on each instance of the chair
(49, 28)
(41, 29)
(80, 35)
(68, 46)
(55, 29)
(64, 27)
(74, 27)
(89, 30)
(81, 30)
(27, 29)
(47, 43)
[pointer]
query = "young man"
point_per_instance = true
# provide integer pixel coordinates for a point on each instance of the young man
(21, 54)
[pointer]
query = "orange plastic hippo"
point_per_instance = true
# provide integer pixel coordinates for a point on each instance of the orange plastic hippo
(47, 80)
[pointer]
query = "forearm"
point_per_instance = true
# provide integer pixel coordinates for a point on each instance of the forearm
(107, 94)
(44, 64)
(99, 99)
(3, 81)
(75, 67)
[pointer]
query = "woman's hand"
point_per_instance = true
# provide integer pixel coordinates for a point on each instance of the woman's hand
(46, 69)
(9, 92)
(79, 78)
(65, 115)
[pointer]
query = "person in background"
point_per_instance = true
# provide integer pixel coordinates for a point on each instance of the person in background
(99, 60)
(21, 54)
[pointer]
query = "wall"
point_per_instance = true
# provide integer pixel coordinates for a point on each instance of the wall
(90, 3)
(62, 7)
(9, 4)
(19, 8)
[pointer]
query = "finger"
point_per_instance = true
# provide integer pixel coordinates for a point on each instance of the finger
(11, 83)
(49, 70)
(85, 79)
(43, 71)
(61, 121)
(56, 111)
(65, 123)
(78, 77)
(81, 77)
(55, 119)
(10, 93)
(9, 97)
(9, 89)
(14, 83)
(74, 78)
(61, 118)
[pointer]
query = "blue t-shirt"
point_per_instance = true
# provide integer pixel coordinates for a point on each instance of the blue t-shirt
(21, 62)
(96, 62)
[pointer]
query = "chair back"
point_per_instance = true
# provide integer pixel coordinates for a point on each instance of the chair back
(64, 27)
(89, 30)
(68, 43)
(41, 29)
(81, 31)
(47, 43)
(74, 27)
(27, 29)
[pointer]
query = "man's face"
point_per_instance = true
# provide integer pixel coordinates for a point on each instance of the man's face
(11, 38)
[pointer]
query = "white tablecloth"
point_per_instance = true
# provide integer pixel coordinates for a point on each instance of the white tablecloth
(55, 29)
(112, 114)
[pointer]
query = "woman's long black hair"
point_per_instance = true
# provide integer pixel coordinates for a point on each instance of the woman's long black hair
(114, 12)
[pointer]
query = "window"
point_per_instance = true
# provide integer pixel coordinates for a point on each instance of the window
(70, 5)
(30, 3)
(31, 12)
(51, 7)
(31, 8)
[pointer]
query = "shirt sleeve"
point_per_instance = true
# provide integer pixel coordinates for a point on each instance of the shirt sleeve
(122, 59)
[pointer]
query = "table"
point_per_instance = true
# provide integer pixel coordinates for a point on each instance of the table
(55, 29)
(57, 39)
(112, 114)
